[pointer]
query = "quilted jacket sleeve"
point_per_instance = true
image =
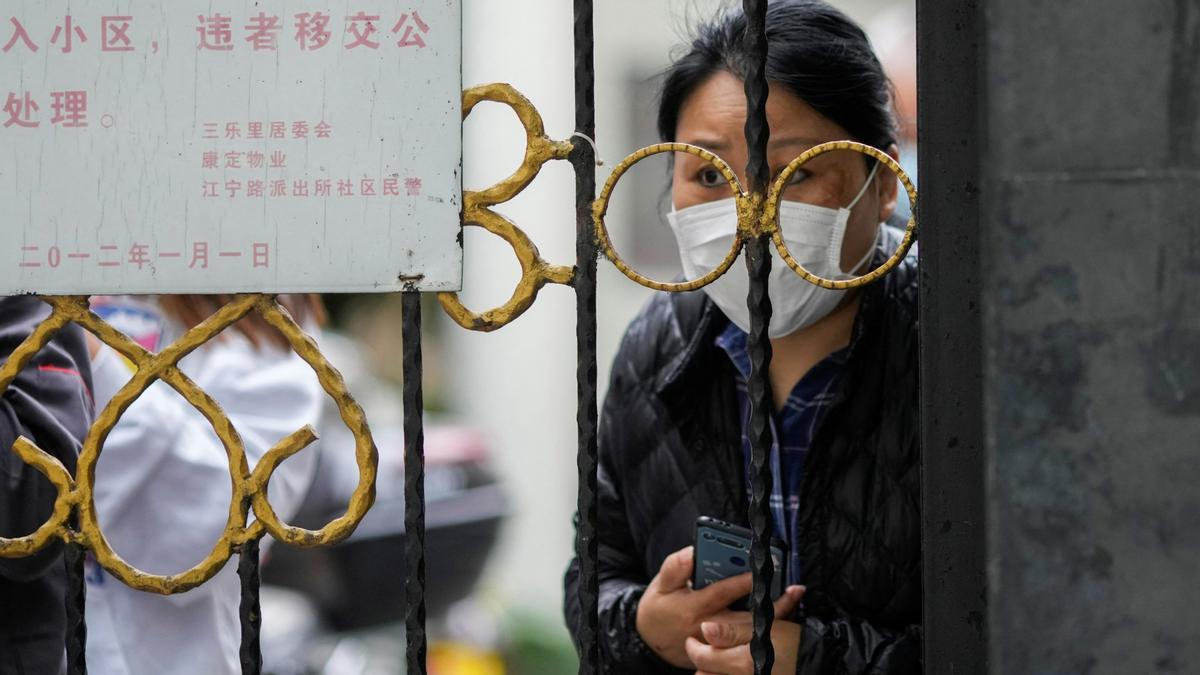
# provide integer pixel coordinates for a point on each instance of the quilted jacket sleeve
(847, 645)
(621, 574)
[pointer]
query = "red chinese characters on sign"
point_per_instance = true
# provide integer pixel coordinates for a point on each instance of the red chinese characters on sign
(199, 255)
(361, 27)
(262, 254)
(114, 34)
(256, 188)
(70, 31)
(141, 256)
(69, 107)
(312, 30)
(20, 111)
(216, 32)
(31, 256)
(257, 130)
(19, 33)
(411, 38)
(263, 32)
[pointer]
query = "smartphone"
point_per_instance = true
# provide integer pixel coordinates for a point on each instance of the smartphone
(723, 550)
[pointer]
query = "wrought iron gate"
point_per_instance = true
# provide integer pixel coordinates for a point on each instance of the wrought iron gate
(74, 519)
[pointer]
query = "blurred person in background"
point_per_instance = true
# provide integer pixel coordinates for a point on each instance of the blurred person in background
(163, 482)
(49, 402)
(673, 438)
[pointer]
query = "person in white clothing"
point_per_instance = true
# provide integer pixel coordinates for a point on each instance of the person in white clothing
(163, 487)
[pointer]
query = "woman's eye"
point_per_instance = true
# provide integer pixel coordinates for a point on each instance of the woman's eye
(798, 177)
(710, 178)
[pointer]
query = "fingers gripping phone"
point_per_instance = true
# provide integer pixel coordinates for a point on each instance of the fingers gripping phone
(722, 550)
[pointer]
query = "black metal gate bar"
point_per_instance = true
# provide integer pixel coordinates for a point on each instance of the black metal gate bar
(950, 44)
(758, 262)
(251, 608)
(584, 161)
(73, 558)
(414, 483)
(759, 266)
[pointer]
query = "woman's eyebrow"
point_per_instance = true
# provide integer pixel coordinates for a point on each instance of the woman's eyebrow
(776, 142)
(713, 145)
(792, 142)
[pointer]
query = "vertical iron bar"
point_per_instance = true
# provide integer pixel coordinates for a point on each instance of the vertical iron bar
(583, 159)
(251, 610)
(73, 557)
(950, 60)
(414, 483)
(758, 262)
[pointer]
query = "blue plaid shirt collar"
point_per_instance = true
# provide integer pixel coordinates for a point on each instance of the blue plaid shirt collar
(793, 429)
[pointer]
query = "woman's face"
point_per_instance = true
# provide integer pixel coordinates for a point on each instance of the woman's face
(714, 118)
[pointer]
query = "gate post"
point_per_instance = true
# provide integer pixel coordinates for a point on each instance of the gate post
(949, 62)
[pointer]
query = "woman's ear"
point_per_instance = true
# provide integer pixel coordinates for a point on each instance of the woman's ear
(887, 186)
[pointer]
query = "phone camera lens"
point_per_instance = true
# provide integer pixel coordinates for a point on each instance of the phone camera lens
(738, 560)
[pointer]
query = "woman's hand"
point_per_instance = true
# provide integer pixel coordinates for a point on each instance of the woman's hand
(728, 648)
(670, 612)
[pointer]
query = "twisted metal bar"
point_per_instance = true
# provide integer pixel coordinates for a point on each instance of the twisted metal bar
(758, 262)
(249, 489)
(414, 484)
(477, 211)
(250, 611)
(74, 557)
(583, 160)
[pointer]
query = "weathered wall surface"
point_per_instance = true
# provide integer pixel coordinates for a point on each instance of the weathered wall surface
(1090, 246)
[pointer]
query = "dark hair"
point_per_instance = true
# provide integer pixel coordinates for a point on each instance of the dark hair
(190, 310)
(813, 49)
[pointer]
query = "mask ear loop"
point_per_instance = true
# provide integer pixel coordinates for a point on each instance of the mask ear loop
(836, 262)
(863, 191)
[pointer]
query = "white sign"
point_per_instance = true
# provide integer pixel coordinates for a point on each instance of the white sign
(219, 146)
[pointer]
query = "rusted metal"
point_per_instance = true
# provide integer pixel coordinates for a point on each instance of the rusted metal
(249, 489)
(477, 211)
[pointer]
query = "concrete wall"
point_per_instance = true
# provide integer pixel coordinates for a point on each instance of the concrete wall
(1091, 296)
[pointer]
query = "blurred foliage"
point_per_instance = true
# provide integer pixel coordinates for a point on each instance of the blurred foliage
(537, 645)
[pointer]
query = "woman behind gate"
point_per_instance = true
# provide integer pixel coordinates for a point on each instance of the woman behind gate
(163, 484)
(673, 436)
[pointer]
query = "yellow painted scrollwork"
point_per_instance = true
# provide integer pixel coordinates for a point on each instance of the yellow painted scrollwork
(250, 488)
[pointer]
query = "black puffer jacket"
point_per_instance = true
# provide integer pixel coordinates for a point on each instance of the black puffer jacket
(49, 403)
(670, 451)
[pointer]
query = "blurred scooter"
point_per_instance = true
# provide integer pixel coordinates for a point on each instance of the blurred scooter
(340, 610)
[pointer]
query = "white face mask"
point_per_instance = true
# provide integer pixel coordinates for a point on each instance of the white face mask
(813, 234)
